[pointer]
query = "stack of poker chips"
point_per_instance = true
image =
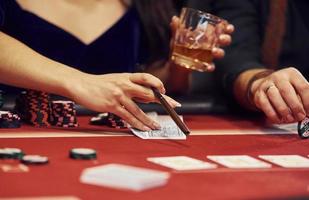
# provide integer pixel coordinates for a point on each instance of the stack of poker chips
(9, 120)
(108, 119)
(63, 114)
(34, 108)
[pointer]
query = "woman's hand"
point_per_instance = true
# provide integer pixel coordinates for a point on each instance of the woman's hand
(283, 96)
(116, 93)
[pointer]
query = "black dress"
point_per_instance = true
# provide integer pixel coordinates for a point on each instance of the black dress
(119, 49)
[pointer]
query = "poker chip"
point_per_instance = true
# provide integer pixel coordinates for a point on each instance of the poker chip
(34, 108)
(63, 114)
(34, 159)
(83, 154)
(108, 119)
(9, 120)
(11, 153)
(303, 128)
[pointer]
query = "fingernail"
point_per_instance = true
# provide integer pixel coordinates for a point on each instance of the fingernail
(177, 104)
(163, 90)
(289, 118)
(215, 50)
(145, 128)
(156, 125)
(300, 116)
(221, 37)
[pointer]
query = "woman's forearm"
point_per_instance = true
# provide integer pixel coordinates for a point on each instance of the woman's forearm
(22, 67)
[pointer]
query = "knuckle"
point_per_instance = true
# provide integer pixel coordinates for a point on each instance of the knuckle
(111, 105)
(135, 123)
(271, 115)
(283, 110)
(136, 110)
(277, 77)
(284, 92)
(117, 93)
(148, 96)
(296, 109)
(304, 87)
(145, 77)
(291, 70)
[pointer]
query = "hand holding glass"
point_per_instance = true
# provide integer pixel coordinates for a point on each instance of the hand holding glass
(197, 34)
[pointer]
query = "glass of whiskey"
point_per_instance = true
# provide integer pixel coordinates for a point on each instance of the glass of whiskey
(197, 34)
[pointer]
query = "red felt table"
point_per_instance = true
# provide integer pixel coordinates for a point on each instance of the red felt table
(61, 176)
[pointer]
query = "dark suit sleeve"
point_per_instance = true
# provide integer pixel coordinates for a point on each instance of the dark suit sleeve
(244, 53)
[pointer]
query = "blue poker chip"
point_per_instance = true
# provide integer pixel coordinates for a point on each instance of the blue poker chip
(303, 128)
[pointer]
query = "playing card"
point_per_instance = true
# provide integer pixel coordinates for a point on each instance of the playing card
(169, 130)
(239, 161)
(182, 163)
(287, 161)
(124, 177)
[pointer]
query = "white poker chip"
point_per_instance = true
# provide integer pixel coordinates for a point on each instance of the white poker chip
(11, 153)
(34, 159)
(3, 151)
(83, 153)
(13, 150)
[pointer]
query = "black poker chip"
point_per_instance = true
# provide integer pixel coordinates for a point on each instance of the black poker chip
(34, 160)
(9, 120)
(303, 128)
(33, 107)
(64, 114)
(11, 153)
(83, 154)
(108, 119)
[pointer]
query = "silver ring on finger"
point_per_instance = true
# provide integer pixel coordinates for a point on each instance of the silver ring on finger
(267, 89)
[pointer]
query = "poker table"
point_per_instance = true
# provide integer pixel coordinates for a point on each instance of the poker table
(211, 135)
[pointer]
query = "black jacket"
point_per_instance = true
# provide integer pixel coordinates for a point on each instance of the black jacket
(250, 18)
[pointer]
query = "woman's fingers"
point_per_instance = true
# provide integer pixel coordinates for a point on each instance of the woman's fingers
(141, 93)
(130, 119)
(147, 80)
(136, 112)
(173, 103)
